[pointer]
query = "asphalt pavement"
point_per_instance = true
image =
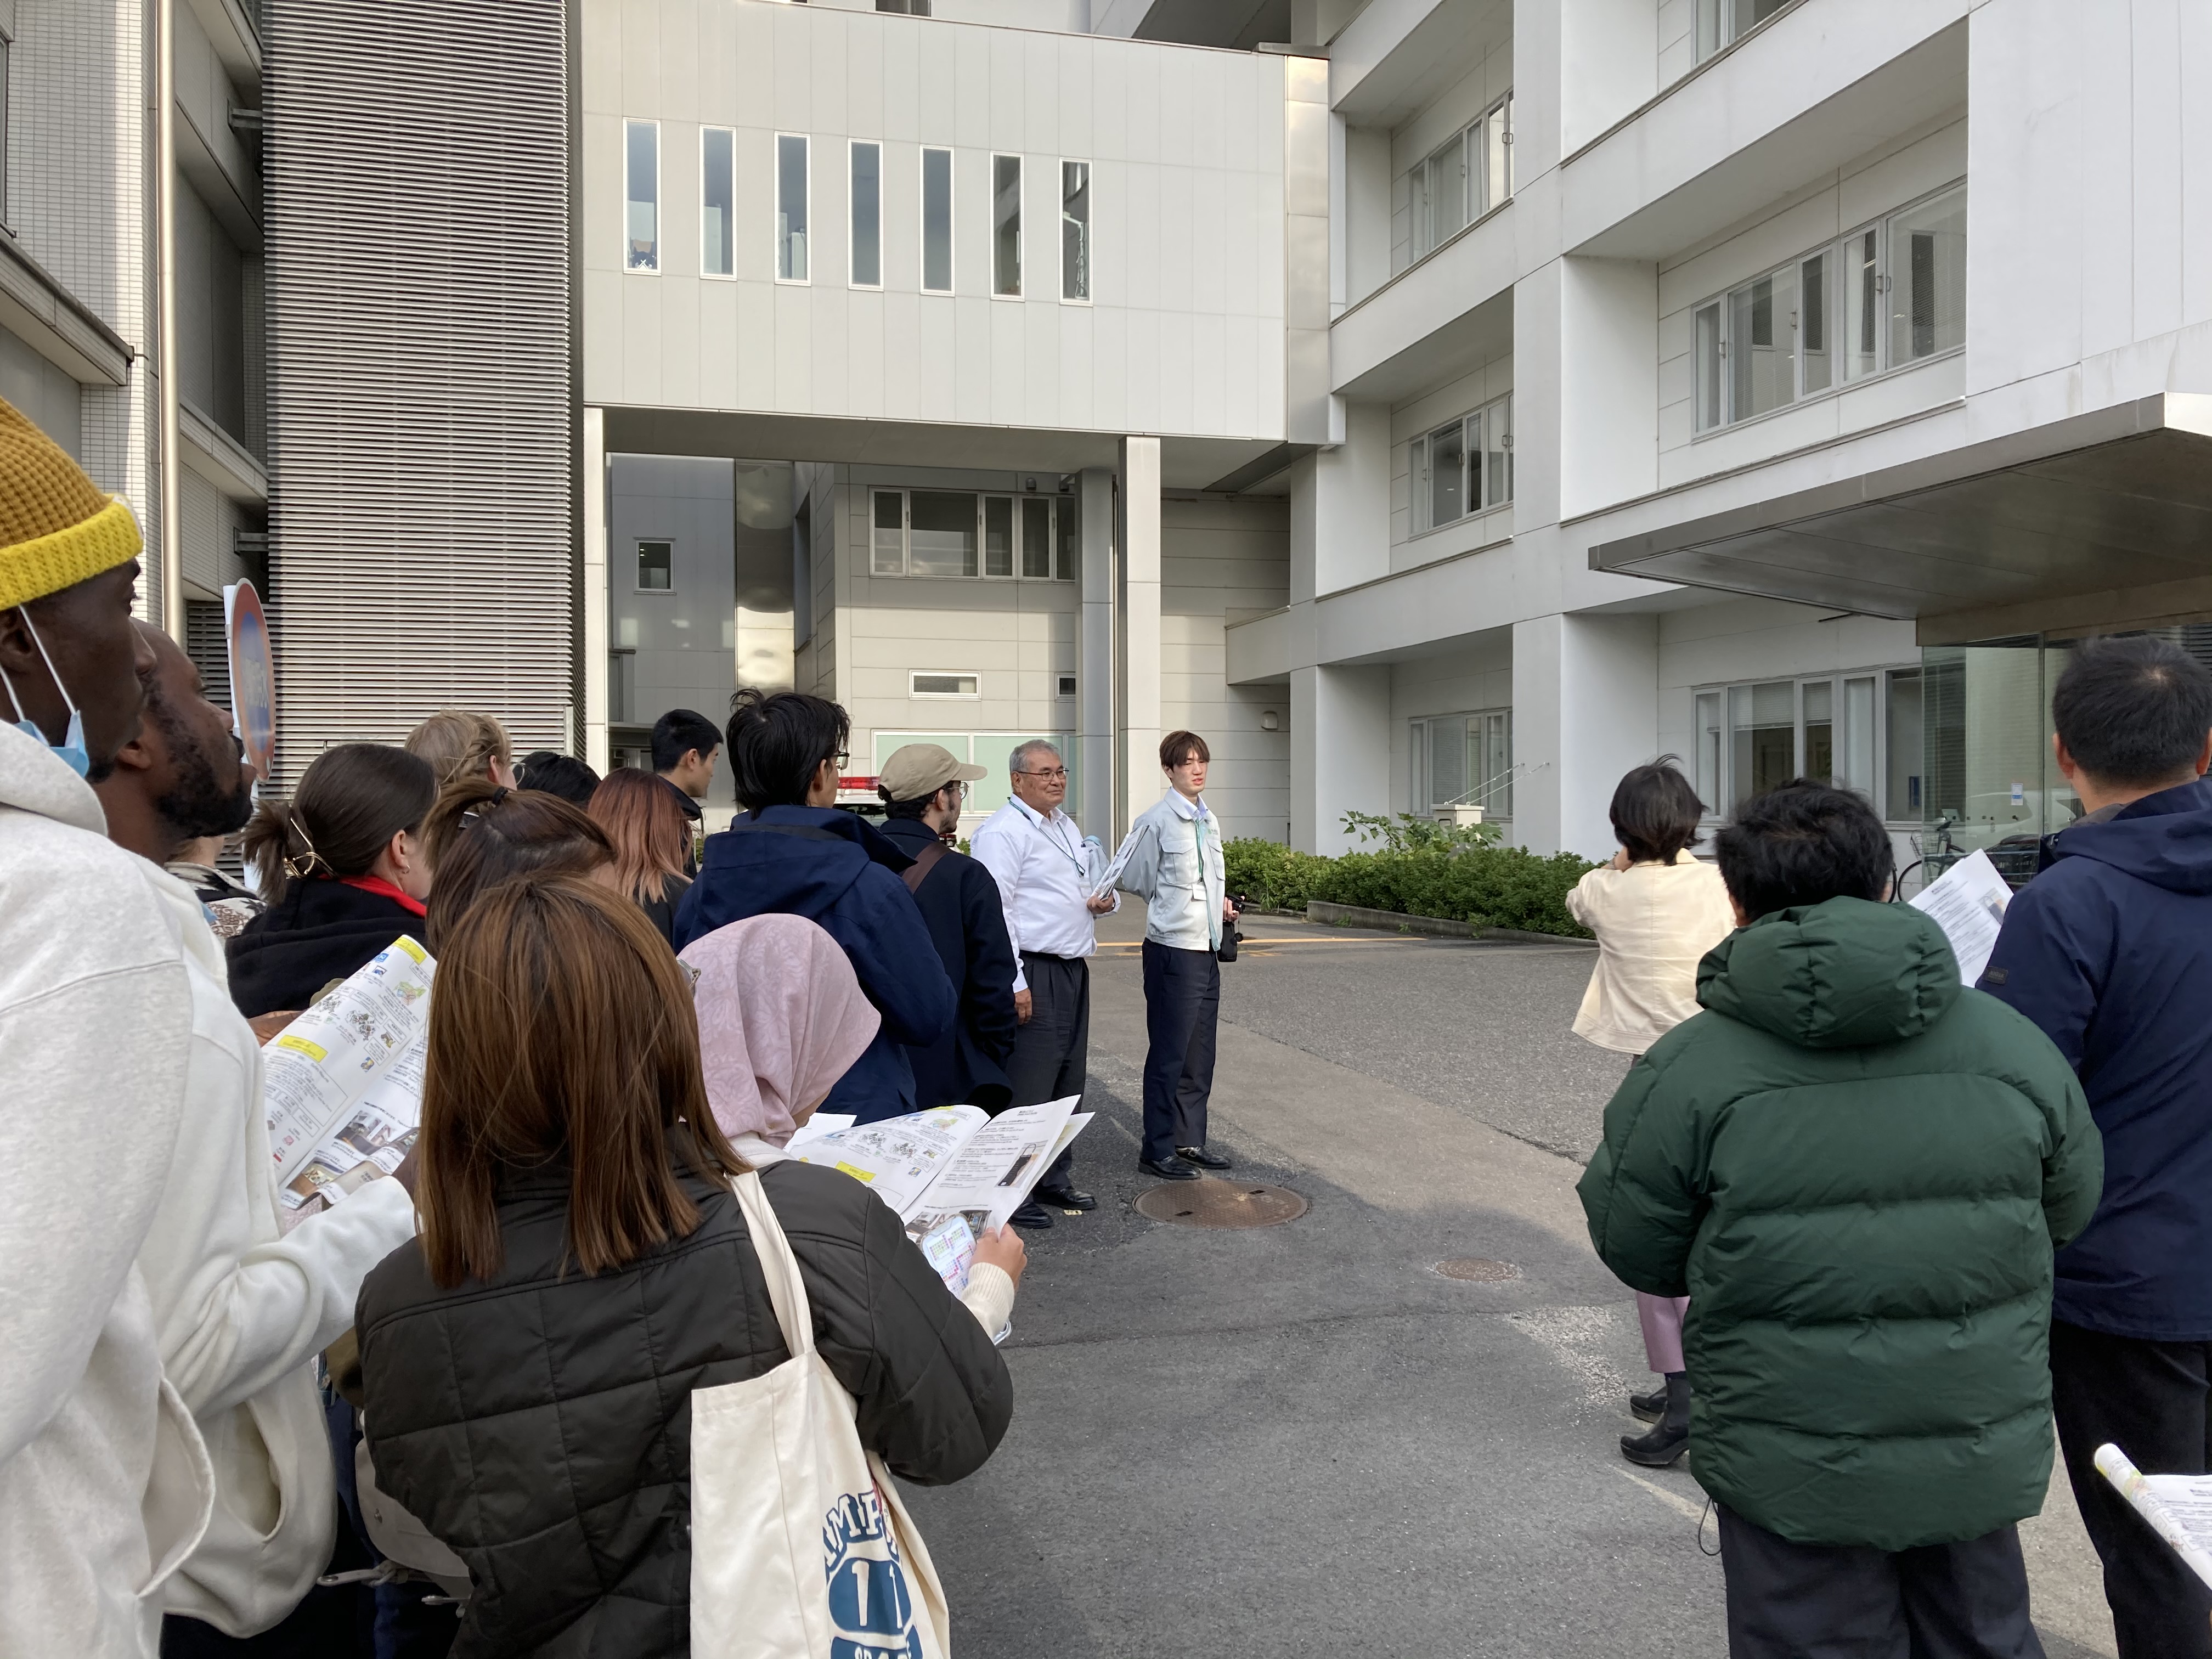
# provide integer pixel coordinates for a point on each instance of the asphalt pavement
(1302, 1439)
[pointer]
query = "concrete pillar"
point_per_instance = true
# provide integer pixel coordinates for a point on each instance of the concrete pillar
(1585, 709)
(1340, 752)
(595, 590)
(1093, 759)
(1350, 515)
(1136, 600)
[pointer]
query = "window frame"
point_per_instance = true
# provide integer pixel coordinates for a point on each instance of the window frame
(1475, 178)
(1021, 214)
(638, 545)
(1473, 427)
(1723, 800)
(1841, 257)
(631, 124)
(975, 679)
(853, 148)
(1090, 223)
(1419, 768)
(1060, 510)
(730, 229)
(952, 220)
(778, 236)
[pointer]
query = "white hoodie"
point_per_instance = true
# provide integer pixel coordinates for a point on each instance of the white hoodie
(105, 1484)
(242, 1308)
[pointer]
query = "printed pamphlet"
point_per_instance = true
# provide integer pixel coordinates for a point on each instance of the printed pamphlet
(955, 1162)
(2178, 1506)
(1967, 901)
(342, 1084)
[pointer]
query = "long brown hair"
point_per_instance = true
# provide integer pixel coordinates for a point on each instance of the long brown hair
(561, 1034)
(352, 800)
(480, 834)
(649, 831)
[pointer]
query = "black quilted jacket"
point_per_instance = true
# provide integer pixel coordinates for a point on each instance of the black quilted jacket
(540, 1423)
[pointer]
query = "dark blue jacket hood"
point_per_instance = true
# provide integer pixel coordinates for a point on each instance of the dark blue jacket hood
(833, 870)
(2165, 839)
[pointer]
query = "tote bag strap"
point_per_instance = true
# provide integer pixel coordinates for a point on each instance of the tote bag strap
(787, 1291)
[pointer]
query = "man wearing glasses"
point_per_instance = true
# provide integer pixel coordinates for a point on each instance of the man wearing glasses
(923, 786)
(1046, 871)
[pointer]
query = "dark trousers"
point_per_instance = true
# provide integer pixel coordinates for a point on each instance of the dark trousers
(1052, 1053)
(1183, 1007)
(2150, 1400)
(1789, 1601)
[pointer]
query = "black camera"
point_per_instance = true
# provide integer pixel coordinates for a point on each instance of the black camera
(1229, 937)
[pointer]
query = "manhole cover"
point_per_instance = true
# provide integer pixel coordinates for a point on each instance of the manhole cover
(1221, 1204)
(1478, 1270)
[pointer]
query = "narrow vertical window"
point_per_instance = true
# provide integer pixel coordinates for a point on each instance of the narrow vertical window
(1815, 364)
(1709, 371)
(1819, 758)
(1762, 342)
(1447, 474)
(717, 198)
(790, 207)
(1928, 279)
(997, 535)
(4, 129)
(1417, 494)
(937, 221)
(1501, 153)
(1075, 230)
(890, 527)
(1497, 453)
(1067, 542)
(1036, 535)
(1854, 751)
(868, 214)
(1861, 306)
(642, 216)
(1712, 755)
(1006, 225)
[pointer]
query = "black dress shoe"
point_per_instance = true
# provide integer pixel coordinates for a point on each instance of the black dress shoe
(1171, 1169)
(1649, 1407)
(1066, 1198)
(1204, 1159)
(1032, 1215)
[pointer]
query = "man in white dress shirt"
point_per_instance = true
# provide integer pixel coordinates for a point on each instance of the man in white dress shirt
(1036, 853)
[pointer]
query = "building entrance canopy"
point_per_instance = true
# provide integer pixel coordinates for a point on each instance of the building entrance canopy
(2099, 520)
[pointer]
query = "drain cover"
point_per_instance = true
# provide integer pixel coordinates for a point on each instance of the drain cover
(1478, 1270)
(1221, 1204)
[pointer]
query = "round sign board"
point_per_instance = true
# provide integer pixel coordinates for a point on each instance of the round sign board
(252, 677)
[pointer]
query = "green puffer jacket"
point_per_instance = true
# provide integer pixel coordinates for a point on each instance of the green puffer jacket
(1857, 1169)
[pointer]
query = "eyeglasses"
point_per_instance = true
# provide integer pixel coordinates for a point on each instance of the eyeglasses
(842, 759)
(1058, 773)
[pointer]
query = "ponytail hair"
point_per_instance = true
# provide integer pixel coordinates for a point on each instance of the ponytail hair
(481, 834)
(353, 799)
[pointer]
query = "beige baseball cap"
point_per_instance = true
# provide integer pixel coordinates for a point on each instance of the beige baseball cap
(923, 769)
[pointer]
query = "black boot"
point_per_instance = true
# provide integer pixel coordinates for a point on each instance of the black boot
(1650, 1407)
(1670, 1437)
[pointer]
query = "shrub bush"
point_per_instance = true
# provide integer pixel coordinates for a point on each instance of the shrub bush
(1487, 886)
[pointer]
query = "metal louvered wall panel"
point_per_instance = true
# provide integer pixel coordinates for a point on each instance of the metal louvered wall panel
(422, 407)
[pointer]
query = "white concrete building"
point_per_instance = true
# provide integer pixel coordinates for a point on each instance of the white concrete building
(94, 250)
(1434, 402)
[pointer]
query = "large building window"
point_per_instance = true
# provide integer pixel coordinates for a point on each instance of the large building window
(937, 221)
(1884, 297)
(1463, 760)
(868, 169)
(1075, 230)
(1463, 178)
(1860, 731)
(1006, 225)
(960, 532)
(791, 183)
(718, 196)
(641, 192)
(1463, 467)
(1721, 22)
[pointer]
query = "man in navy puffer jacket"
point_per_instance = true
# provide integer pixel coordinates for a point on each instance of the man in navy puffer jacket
(2109, 949)
(793, 853)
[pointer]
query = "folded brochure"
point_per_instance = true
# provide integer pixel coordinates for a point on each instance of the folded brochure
(2178, 1507)
(956, 1162)
(342, 1084)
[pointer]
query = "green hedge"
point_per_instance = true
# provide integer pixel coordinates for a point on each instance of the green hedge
(1489, 886)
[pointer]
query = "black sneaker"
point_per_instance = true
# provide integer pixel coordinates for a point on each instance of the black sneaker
(1204, 1159)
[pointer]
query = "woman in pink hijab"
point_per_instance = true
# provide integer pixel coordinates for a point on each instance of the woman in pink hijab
(781, 1017)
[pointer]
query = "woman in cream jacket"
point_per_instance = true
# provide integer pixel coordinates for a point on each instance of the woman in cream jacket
(1656, 910)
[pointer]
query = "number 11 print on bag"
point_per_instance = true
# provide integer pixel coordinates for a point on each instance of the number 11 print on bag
(869, 1599)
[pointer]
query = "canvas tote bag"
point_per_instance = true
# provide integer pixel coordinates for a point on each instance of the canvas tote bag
(800, 1546)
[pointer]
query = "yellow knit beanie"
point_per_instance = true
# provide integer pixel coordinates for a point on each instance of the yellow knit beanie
(56, 528)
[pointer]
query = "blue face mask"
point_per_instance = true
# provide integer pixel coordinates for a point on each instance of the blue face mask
(70, 751)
